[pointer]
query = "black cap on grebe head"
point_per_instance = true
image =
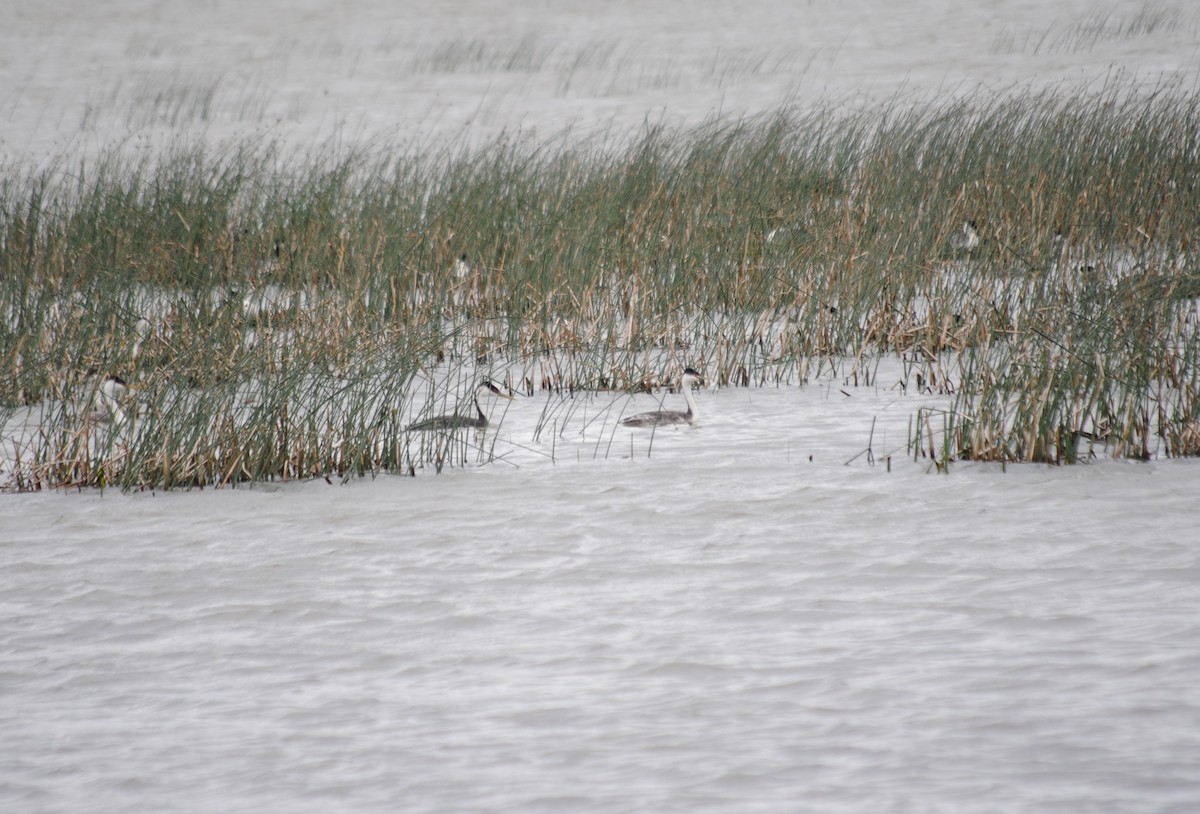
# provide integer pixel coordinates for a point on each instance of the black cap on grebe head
(487, 384)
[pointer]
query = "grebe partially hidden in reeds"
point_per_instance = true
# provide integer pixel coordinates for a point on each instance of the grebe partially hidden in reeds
(691, 378)
(462, 268)
(965, 238)
(107, 400)
(449, 422)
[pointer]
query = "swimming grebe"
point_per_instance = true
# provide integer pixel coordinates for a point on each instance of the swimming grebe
(691, 378)
(449, 422)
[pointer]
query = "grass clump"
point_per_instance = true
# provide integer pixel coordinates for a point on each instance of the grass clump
(288, 316)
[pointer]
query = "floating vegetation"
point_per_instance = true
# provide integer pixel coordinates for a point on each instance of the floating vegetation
(285, 317)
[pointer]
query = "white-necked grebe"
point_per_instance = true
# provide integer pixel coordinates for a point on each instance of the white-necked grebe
(691, 378)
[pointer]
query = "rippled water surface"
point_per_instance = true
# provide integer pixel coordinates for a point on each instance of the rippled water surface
(752, 615)
(726, 625)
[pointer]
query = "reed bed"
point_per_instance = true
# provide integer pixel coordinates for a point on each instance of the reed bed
(288, 316)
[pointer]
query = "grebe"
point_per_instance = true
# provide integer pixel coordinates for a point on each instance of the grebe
(107, 400)
(450, 422)
(691, 378)
(462, 268)
(966, 239)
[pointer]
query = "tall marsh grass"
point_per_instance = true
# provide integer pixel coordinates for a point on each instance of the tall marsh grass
(1094, 28)
(287, 316)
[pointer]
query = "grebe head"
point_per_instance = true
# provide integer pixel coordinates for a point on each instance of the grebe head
(114, 386)
(486, 386)
(111, 385)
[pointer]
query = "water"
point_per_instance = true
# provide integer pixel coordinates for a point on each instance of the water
(397, 71)
(758, 614)
(861, 642)
(723, 626)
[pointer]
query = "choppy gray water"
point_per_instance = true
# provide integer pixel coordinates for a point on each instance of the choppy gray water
(723, 626)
